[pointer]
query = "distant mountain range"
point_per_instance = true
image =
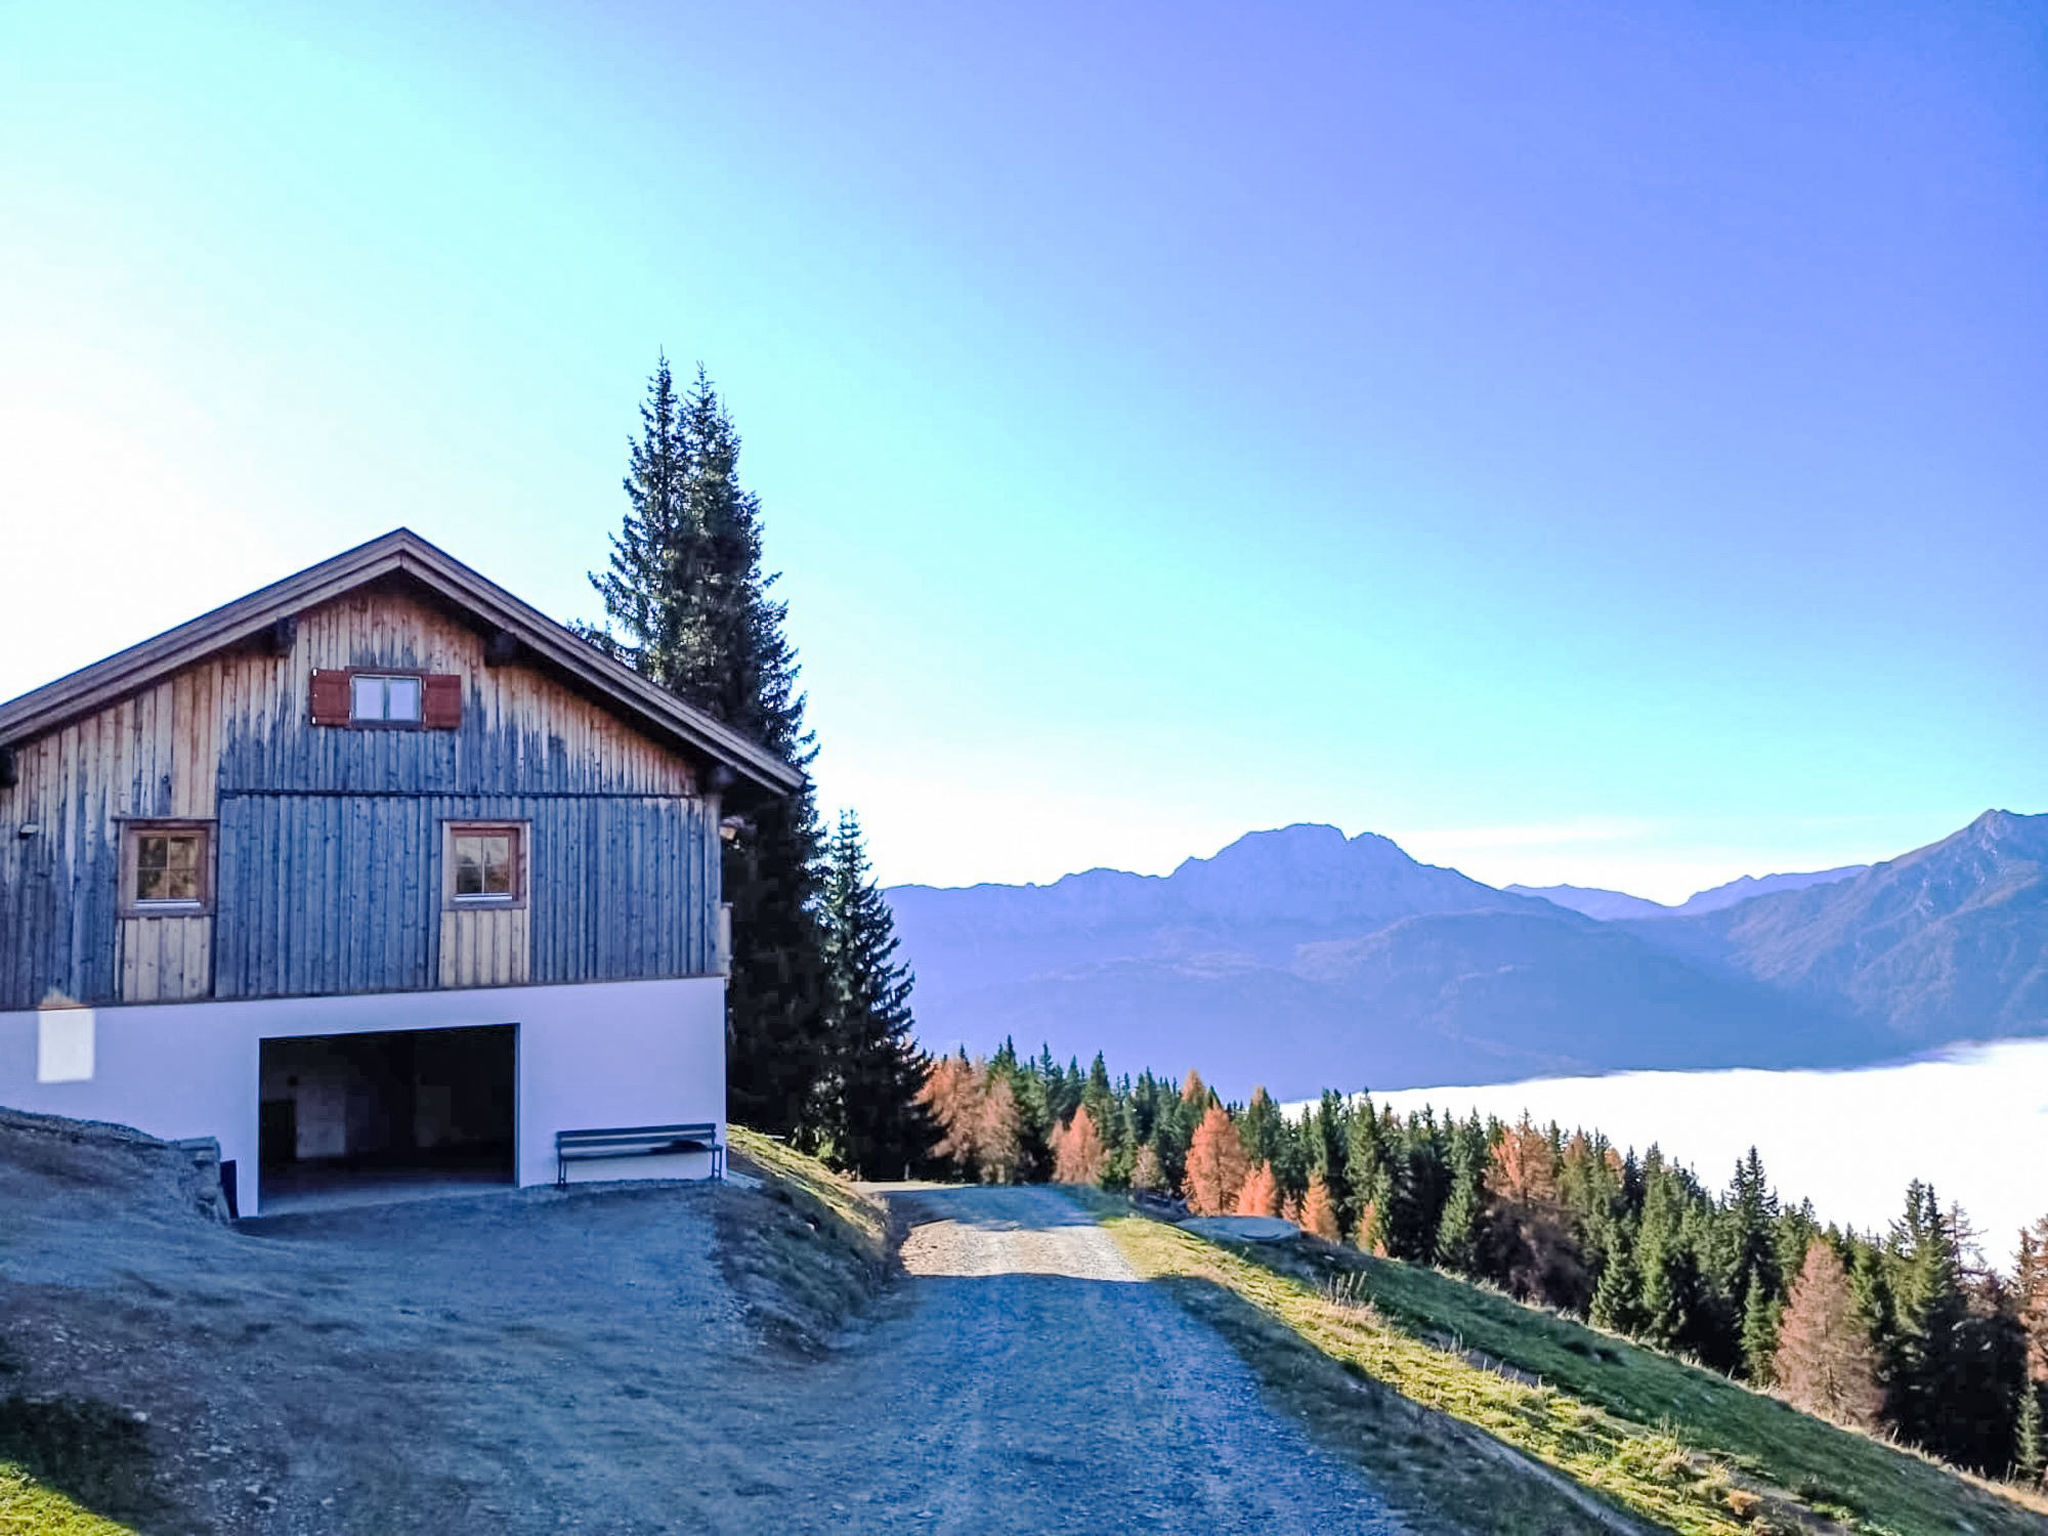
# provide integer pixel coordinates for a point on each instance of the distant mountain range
(1608, 905)
(1300, 958)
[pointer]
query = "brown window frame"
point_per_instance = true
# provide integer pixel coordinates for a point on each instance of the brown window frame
(429, 682)
(417, 723)
(133, 830)
(518, 831)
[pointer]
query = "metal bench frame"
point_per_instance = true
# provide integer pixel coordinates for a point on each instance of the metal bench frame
(637, 1141)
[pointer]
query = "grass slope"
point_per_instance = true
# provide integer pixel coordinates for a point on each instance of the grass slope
(1670, 1445)
(67, 1468)
(806, 1252)
(28, 1508)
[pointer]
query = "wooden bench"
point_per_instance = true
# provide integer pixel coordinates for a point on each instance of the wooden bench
(637, 1141)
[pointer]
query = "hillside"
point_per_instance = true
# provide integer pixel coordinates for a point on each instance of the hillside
(1351, 1341)
(1299, 958)
(1947, 942)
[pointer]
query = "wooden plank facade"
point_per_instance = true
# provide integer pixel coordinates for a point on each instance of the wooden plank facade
(329, 846)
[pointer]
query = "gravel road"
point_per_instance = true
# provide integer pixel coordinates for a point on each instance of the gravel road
(1032, 1383)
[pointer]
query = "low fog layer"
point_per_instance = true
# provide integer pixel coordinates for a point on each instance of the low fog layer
(1972, 1120)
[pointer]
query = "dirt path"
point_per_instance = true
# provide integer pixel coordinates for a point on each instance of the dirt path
(1031, 1383)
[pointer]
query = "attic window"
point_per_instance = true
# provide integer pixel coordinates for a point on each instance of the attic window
(377, 699)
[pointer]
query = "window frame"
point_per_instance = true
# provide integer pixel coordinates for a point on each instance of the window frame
(386, 675)
(133, 830)
(518, 832)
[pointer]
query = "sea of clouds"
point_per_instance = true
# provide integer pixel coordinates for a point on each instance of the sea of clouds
(1971, 1120)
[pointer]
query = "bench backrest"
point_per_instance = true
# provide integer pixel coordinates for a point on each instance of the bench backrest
(626, 1138)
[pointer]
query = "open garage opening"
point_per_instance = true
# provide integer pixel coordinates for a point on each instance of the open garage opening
(386, 1115)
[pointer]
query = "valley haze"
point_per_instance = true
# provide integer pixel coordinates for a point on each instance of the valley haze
(1300, 959)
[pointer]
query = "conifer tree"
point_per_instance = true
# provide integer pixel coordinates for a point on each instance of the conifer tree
(1216, 1165)
(1364, 1157)
(999, 1135)
(1746, 1255)
(1617, 1299)
(1329, 1152)
(1930, 1308)
(688, 605)
(868, 1110)
(1825, 1362)
(1260, 1193)
(2030, 1446)
(952, 1097)
(1457, 1233)
(1078, 1153)
(1373, 1234)
(1260, 1128)
(1668, 1266)
(1095, 1093)
(1760, 1319)
(1319, 1211)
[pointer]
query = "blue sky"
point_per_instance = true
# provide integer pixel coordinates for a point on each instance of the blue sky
(1590, 443)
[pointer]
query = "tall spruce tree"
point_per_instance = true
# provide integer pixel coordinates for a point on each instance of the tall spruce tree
(688, 605)
(1927, 1290)
(867, 1110)
(2030, 1443)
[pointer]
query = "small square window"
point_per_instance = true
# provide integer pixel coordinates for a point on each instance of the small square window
(166, 868)
(384, 699)
(484, 864)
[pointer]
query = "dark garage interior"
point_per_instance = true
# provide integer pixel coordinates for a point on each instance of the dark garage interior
(355, 1115)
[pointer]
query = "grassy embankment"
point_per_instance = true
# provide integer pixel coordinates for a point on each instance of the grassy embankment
(807, 1252)
(1673, 1446)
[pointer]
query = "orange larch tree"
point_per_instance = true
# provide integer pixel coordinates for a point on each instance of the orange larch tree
(1523, 1167)
(953, 1093)
(1216, 1165)
(999, 1136)
(1825, 1361)
(1078, 1155)
(1319, 1212)
(1260, 1193)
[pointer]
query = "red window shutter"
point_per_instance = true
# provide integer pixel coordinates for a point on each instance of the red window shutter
(329, 698)
(441, 709)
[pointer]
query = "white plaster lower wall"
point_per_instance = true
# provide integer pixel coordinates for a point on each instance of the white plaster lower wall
(595, 1055)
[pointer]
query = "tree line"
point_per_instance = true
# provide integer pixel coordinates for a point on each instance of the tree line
(1907, 1330)
(818, 1026)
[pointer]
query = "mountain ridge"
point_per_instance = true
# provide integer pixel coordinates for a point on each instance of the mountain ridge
(1605, 905)
(1298, 957)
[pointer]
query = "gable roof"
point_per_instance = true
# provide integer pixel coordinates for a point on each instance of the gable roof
(400, 552)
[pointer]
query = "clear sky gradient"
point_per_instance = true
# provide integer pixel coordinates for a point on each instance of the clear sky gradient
(1596, 443)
